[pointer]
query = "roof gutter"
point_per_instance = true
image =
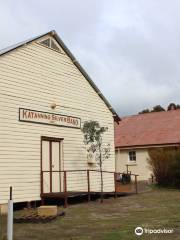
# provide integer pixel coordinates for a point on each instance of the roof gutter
(148, 146)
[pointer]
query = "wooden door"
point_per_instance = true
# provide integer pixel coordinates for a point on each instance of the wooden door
(46, 166)
(51, 165)
(55, 158)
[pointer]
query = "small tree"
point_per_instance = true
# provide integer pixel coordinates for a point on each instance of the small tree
(158, 108)
(165, 164)
(93, 140)
(144, 111)
(177, 106)
(171, 106)
(159, 161)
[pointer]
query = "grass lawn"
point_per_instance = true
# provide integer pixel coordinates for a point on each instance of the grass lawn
(115, 219)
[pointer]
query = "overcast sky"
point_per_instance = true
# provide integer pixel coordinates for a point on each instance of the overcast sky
(131, 49)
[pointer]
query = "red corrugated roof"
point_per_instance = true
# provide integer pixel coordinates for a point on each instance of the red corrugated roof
(154, 128)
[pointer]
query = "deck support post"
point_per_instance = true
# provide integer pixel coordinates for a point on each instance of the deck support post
(115, 185)
(136, 186)
(65, 190)
(88, 183)
(102, 193)
(42, 189)
(42, 201)
(152, 179)
(29, 206)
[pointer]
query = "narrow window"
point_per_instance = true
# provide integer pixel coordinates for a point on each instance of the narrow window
(51, 44)
(46, 42)
(54, 46)
(132, 156)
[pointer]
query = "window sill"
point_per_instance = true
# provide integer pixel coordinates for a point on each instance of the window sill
(132, 163)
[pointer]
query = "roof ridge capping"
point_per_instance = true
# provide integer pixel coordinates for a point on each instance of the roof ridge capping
(74, 60)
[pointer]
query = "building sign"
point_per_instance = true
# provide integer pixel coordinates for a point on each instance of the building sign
(27, 115)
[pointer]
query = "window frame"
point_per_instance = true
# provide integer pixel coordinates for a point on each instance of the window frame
(57, 49)
(132, 156)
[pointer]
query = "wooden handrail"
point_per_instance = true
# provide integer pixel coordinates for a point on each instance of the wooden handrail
(91, 170)
(87, 172)
(84, 170)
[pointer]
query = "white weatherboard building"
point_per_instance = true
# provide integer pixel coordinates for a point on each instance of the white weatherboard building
(45, 97)
(137, 134)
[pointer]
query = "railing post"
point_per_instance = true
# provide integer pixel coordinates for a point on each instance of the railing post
(42, 182)
(136, 186)
(42, 188)
(152, 178)
(115, 185)
(127, 166)
(65, 190)
(88, 182)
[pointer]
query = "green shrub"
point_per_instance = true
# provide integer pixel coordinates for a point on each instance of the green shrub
(165, 165)
(175, 168)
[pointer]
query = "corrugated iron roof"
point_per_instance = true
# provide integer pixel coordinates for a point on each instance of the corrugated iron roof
(74, 60)
(156, 128)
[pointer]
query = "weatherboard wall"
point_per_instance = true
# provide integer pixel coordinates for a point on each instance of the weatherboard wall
(34, 77)
(140, 167)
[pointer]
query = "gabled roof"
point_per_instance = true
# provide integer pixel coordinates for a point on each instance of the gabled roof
(156, 128)
(74, 60)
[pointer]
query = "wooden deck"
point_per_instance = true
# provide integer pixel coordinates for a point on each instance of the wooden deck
(62, 195)
(65, 197)
(119, 188)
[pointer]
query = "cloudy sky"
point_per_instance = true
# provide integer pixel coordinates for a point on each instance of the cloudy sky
(131, 49)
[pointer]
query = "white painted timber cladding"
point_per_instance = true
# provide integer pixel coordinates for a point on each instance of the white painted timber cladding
(33, 77)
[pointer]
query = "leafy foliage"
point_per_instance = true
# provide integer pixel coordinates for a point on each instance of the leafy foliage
(165, 164)
(145, 111)
(171, 106)
(93, 140)
(93, 133)
(158, 108)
